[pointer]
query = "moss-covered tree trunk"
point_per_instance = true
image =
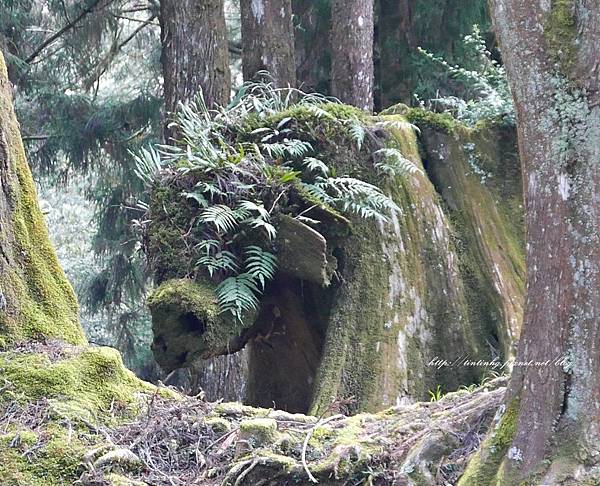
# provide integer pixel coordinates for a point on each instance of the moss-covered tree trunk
(36, 300)
(352, 52)
(268, 40)
(195, 53)
(553, 428)
(411, 298)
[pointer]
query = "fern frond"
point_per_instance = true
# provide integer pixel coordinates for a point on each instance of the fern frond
(260, 264)
(315, 165)
(238, 294)
(318, 112)
(256, 208)
(198, 197)
(398, 125)
(223, 217)
(394, 163)
(357, 132)
(222, 261)
(147, 164)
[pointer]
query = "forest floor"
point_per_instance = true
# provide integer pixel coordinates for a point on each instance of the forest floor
(49, 433)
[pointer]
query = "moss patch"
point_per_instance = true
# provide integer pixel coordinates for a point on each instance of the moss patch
(484, 466)
(560, 31)
(187, 324)
(88, 383)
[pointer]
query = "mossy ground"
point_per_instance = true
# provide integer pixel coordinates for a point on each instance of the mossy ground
(56, 401)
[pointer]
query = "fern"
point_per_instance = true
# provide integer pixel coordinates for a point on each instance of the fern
(260, 264)
(237, 174)
(147, 164)
(356, 196)
(222, 217)
(393, 163)
(316, 165)
(398, 125)
(262, 219)
(357, 132)
(224, 261)
(238, 294)
(292, 148)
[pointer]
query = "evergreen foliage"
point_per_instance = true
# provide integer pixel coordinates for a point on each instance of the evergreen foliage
(485, 92)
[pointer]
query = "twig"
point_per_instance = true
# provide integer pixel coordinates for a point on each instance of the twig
(245, 472)
(320, 423)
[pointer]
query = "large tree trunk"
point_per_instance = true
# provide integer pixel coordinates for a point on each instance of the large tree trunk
(552, 62)
(352, 52)
(36, 300)
(268, 40)
(418, 287)
(194, 52)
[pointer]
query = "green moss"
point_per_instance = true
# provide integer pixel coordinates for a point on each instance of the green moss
(88, 383)
(560, 31)
(261, 430)
(171, 256)
(57, 462)
(484, 467)
(425, 118)
(187, 324)
(119, 480)
(218, 424)
(188, 295)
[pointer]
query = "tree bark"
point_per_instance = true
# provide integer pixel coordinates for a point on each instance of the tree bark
(268, 40)
(552, 66)
(195, 52)
(352, 52)
(36, 300)
(312, 45)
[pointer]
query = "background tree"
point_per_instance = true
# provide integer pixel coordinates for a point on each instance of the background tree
(352, 52)
(268, 40)
(311, 39)
(195, 53)
(551, 426)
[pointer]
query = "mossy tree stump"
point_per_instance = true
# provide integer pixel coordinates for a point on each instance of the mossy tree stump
(364, 308)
